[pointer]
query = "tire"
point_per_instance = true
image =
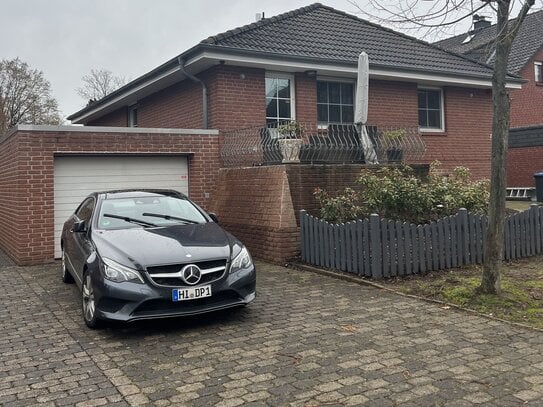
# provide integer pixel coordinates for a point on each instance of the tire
(65, 274)
(89, 303)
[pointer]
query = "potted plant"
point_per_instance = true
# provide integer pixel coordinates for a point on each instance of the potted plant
(392, 141)
(290, 142)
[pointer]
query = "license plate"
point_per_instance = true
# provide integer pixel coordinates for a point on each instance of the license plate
(191, 293)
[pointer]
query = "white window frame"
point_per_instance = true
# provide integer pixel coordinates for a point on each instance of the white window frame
(441, 108)
(131, 109)
(290, 77)
(538, 72)
(321, 78)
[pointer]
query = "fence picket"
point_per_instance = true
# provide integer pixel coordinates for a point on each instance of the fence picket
(407, 248)
(354, 245)
(326, 244)
(478, 239)
(303, 237)
(401, 250)
(507, 238)
(485, 229)
(347, 247)
(385, 252)
(518, 243)
(422, 248)
(471, 234)
(393, 248)
(435, 245)
(447, 238)
(367, 253)
(375, 242)
(454, 242)
(463, 218)
(537, 229)
(428, 242)
(360, 246)
(415, 249)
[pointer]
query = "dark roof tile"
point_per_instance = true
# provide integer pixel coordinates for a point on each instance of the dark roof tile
(322, 32)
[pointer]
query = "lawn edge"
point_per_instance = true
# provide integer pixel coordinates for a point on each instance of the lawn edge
(363, 281)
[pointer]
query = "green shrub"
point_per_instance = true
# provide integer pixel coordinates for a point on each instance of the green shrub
(396, 193)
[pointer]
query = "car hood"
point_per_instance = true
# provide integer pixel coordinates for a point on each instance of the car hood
(141, 247)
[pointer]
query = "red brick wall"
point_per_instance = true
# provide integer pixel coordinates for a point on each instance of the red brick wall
(468, 125)
(522, 163)
(27, 170)
(527, 103)
(118, 118)
(254, 203)
(393, 104)
(306, 98)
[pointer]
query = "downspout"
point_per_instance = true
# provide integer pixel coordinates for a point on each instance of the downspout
(204, 89)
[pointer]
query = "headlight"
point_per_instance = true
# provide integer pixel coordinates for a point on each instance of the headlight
(117, 272)
(241, 261)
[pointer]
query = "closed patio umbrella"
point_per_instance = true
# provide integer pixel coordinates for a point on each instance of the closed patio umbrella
(361, 108)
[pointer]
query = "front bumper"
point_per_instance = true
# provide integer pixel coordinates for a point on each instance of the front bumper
(133, 301)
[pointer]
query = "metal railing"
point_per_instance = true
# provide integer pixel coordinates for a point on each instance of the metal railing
(309, 143)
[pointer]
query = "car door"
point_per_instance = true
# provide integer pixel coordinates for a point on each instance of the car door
(80, 245)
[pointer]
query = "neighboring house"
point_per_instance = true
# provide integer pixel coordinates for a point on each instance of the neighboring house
(526, 60)
(302, 65)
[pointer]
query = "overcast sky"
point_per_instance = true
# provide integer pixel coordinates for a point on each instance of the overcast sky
(67, 38)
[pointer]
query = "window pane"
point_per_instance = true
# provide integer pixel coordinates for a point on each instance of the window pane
(347, 115)
(284, 108)
(433, 99)
(347, 93)
(271, 87)
(334, 114)
(333, 92)
(283, 88)
(434, 119)
(423, 119)
(322, 113)
(271, 107)
(322, 92)
(422, 99)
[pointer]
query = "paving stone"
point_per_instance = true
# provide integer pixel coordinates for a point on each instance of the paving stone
(338, 344)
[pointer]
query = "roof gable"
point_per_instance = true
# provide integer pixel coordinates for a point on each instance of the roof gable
(481, 47)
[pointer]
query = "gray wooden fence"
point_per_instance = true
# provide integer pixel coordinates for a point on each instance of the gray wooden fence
(381, 248)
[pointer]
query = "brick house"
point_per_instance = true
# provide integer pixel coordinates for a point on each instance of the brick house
(299, 65)
(526, 61)
(302, 65)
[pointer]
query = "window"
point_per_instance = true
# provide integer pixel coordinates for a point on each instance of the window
(431, 109)
(538, 72)
(335, 102)
(84, 212)
(279, 98)
(133, 116)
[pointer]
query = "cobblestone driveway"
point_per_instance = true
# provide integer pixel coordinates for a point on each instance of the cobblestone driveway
(307, 340)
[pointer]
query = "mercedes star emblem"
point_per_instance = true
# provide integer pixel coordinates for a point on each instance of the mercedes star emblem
(191, 274)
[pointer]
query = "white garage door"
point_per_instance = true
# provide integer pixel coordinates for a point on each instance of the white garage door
(78, 176)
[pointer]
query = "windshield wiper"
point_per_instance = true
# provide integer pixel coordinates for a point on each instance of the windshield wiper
(130, 220)
(169, 217)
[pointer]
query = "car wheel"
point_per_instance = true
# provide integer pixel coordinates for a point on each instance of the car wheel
(66, 276)
(89, 303)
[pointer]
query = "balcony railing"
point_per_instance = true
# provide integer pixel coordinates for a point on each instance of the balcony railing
(313, 144)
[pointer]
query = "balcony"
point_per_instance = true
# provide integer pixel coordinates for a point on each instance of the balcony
(309, 143)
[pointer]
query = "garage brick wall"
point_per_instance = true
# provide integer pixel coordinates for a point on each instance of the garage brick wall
(27, 171)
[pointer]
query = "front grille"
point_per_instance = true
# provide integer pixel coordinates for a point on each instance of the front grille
(211, 270)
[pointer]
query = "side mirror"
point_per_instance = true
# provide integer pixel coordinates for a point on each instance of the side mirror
(79, 227)
(213, 217)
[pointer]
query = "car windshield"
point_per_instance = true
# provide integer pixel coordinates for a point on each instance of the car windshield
(159, 210)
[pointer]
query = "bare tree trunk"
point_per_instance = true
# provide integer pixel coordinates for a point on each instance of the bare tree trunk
(491, 279)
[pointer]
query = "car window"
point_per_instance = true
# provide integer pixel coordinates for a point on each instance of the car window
(84, 212)
(145, 208)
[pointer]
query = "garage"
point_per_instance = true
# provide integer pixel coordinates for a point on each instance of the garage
(77, 176)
